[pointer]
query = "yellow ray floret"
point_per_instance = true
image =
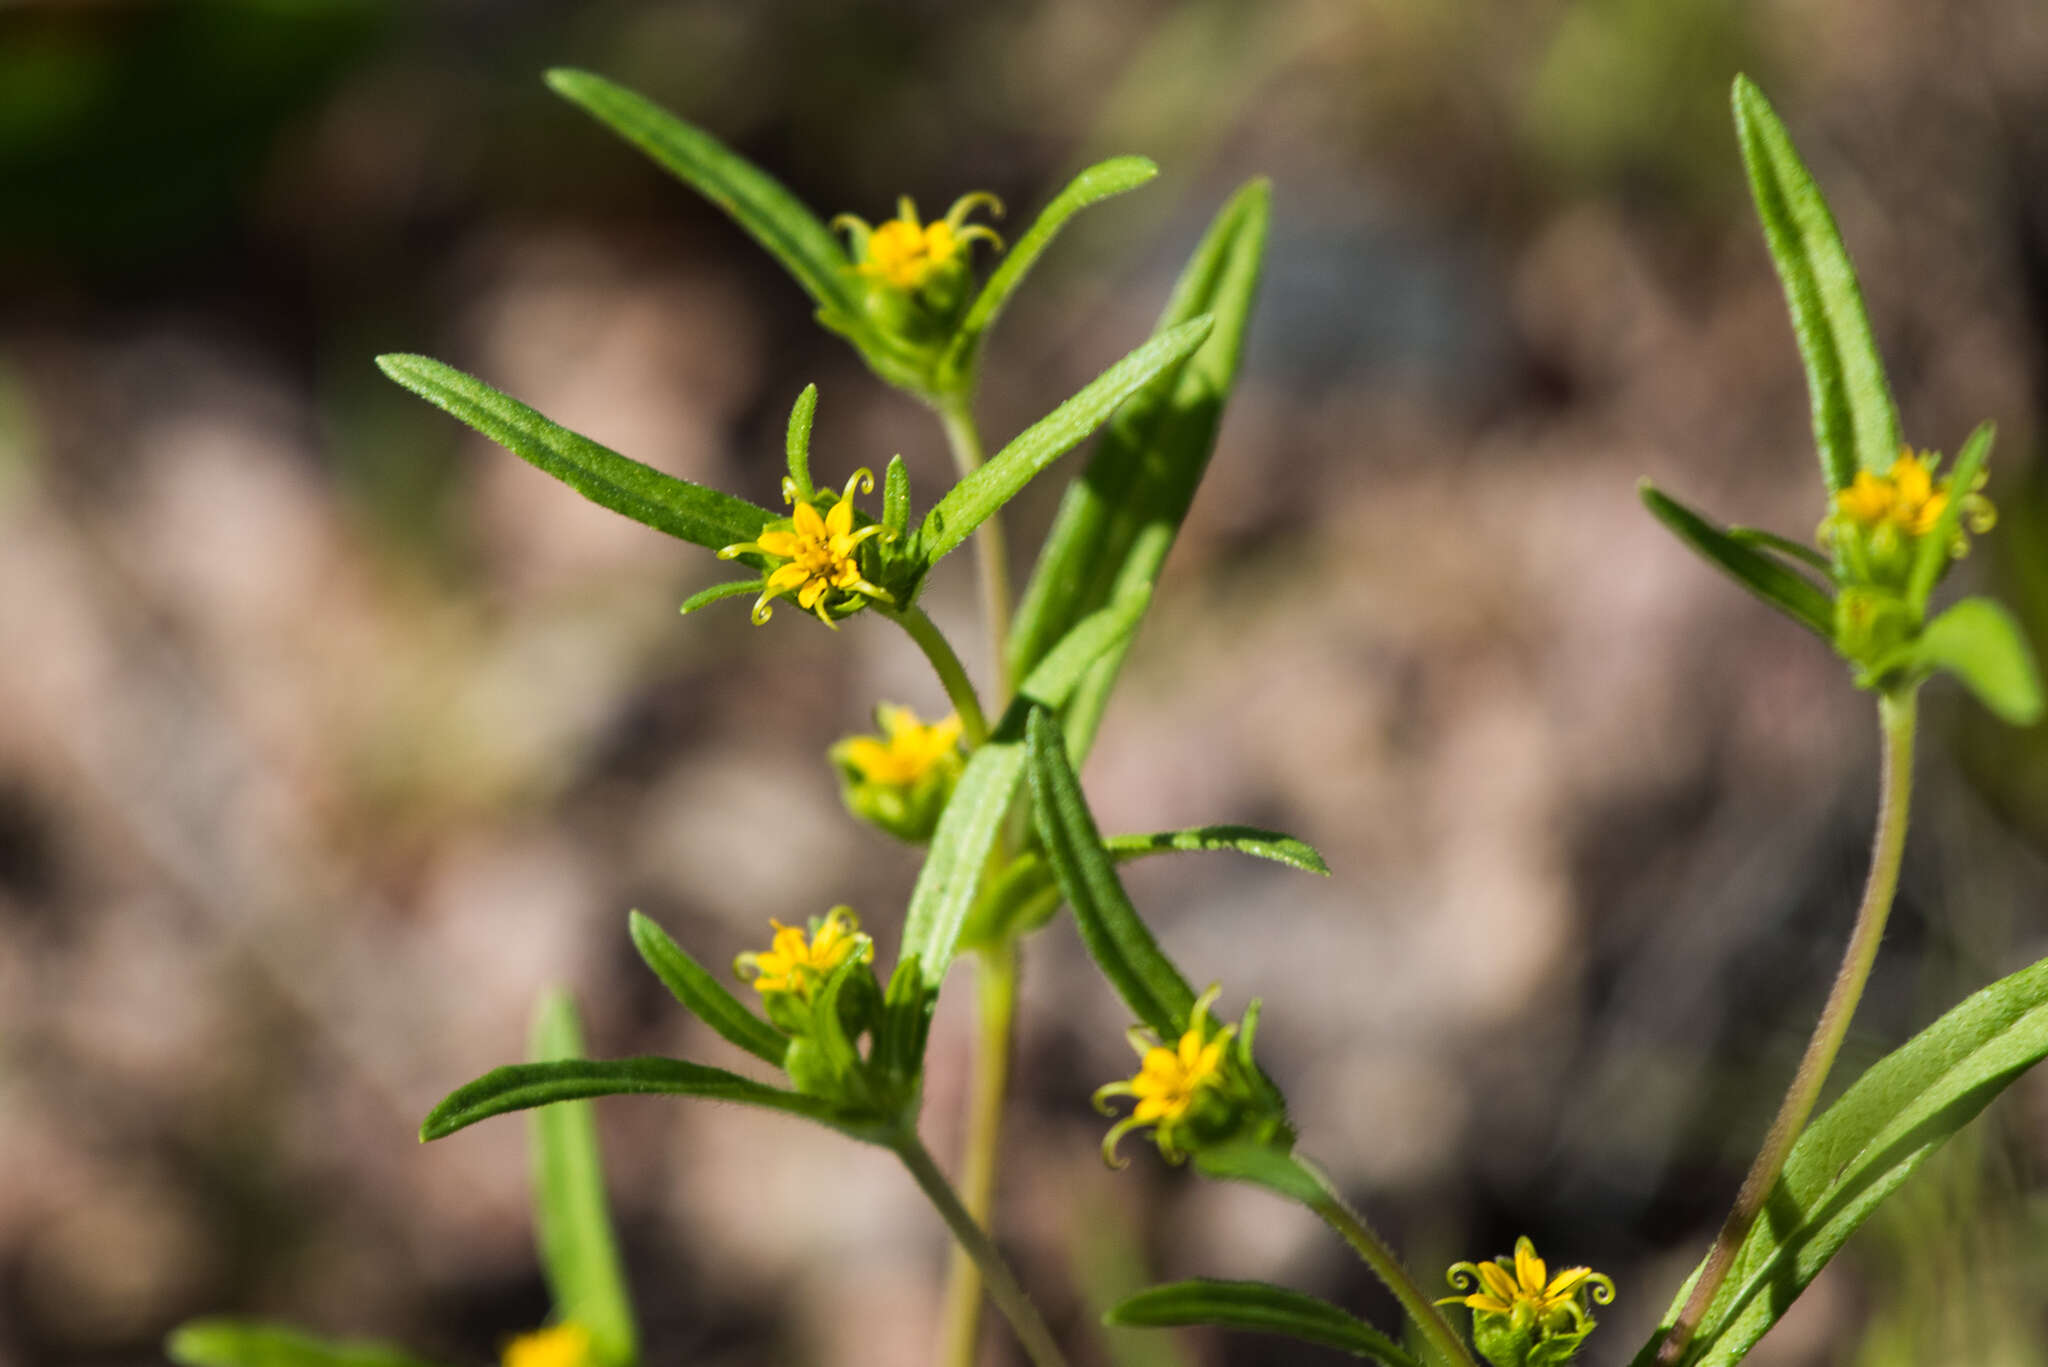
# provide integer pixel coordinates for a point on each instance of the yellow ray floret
(905, 253)
(1169, 1081)
(906, 751)
(1906, 497)
(817, 551)
(1499, 1287)
(565, 1345)
(796, 963)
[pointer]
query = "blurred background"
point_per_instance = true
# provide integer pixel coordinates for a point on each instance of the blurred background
(330, 734)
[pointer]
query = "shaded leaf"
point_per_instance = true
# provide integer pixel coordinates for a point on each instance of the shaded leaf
(1119, 941)
(1855, 424)
(691, 512)
(1977, 641)
(1117, 523)
(702, 994)
(1858, 1152)
(1262, 1308)
(1783, 587)
(577, 1248)
(248, 1343)
(970, 502)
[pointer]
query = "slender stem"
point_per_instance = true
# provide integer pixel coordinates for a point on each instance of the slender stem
(957, 417)
(997, 991)
(1896, 716)
(1002, 1284)
(1443, 1340)
(952, 674)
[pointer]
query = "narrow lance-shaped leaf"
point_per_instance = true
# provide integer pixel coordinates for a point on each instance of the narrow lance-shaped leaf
(950, 880)
(1117, 523)
(1783, 587)
(702, 994)
(797, 444)
(577, 1248)
(521, 1086)
(1978, 642)
(1855, 424)
(1858, 1152)
(1099, 182)
(248, 1343)
(1120, 942)
(1273, 845)
(691, 512)
(970, 502)
(755, 200)
(1261, 1308)
(1935, 548)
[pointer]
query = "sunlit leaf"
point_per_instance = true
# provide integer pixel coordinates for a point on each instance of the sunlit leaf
(1274, 845)
(1855, 424)
(247, 1343)
(702, 994)
(1770, 579)
(1978, 641)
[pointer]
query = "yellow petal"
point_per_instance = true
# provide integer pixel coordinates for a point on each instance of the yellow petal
(784, 544)
(839, 521)
(1497, 1280)
(807, 597)
(809, 525)
(1529, 1269)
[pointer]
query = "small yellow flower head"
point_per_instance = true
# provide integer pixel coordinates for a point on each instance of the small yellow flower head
(817, 551)
(1517, 1305)
(906, 752)
(564, 1345)
(1170, 1082)
(1905, 497)
(795, 963)
(906, 254)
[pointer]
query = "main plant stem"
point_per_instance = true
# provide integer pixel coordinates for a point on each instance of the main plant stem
(1443, 1341)
(1896, 717)
(973, 1240)
(992, 553)
(996, 987)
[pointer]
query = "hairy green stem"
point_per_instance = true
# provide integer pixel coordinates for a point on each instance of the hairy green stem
(1442, 1340)
(1896, 717)
(991, 550)
(952, 674)
(996, 986)
(972, 1239)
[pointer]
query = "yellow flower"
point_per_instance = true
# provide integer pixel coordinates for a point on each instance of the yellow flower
(818, 554)
(906, 752)
(564, 1345)
(1500, 1287)
(1169, 1081)
(905, 253)
(794, 963)
(1906, 497)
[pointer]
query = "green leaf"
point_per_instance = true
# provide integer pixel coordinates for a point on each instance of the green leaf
(1099, 182)
(797, 444)
(577, 1248)
(702, 994)
(691, 512)
(970, 502)
(1855, 424)
(718, 593)
(951, 878)
(248, 1343)
(1861, 1149)
(1770, 579)
(1117, 523)
(1274, 845)
(755, 200)
(1121, 944)
(1262, 1308)
(1935, 551)
(521, 1086)
(1261, 1165)
(1978, 642)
